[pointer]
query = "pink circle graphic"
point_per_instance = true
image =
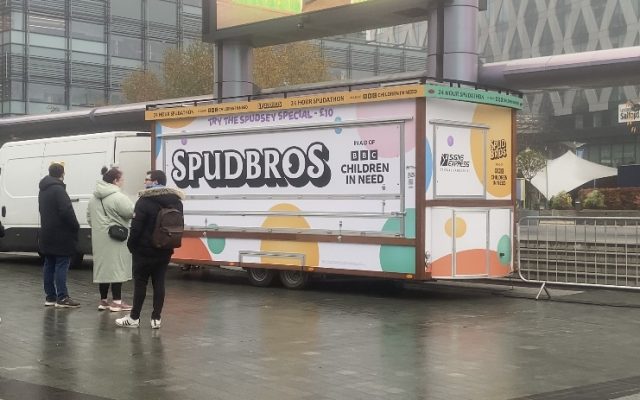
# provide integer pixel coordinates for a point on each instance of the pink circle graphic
(386, 138)
(450, 141)
(183, 141)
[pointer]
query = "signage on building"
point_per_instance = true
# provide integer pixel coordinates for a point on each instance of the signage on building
(473, 96)
(628, 112)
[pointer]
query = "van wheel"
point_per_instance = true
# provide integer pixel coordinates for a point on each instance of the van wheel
(76, 261)
(261, 277)
(294, 279)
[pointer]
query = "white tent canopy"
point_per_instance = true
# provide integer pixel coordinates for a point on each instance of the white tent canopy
(568, 172)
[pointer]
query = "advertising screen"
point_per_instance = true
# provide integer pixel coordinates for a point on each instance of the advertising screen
(269, 22)
(232, 13)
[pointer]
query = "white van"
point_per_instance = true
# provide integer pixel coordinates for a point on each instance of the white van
(24, 163)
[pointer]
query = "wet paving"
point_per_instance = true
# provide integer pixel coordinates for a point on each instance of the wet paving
(341, 339)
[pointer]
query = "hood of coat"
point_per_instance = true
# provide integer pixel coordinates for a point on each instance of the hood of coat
(163, 195)
(104, 189)
(49, 181)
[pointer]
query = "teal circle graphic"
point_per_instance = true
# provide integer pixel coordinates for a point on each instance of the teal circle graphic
(504, 250)
(399, 258)
(338, 130)
(216, 245)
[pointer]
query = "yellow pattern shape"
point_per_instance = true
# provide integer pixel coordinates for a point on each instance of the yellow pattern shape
(461, 227)
(309, 249)
(499, 121)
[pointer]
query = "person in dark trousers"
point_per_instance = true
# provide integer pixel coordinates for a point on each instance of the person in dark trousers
(58, 236)
(149, 261)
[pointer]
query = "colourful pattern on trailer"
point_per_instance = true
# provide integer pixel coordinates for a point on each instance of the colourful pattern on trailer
(308, 249)
(472, 159)
(399, 258)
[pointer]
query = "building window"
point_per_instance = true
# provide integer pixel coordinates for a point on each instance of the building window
(87, 31)
(126, 47)
(55, 42)
(47, 53)
(162, 12)
(597, 119)
(44, 108)
(17, 21)
(616, 155)
(156, 50)
(126, 63)
(191, 10)
(46, 25)
(579, 121)
(86, 46)
(116, 97)
(81, 96)
(605, 154)
(629, 153)
(88, 58)
(17, 90)
(126, 8)
(52, 94)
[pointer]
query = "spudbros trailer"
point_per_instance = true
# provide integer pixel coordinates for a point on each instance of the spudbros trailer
(412, 181)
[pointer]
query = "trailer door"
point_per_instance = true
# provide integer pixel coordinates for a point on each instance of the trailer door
(478, 259)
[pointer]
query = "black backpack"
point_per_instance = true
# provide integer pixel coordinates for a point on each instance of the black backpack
(167, 234)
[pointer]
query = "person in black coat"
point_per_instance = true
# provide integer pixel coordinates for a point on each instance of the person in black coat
(149, 261)
(58, 239)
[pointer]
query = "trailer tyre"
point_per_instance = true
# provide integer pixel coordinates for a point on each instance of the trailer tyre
(261, 277)
(294, 279)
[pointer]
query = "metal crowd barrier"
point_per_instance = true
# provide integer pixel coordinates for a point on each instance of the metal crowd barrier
(579, 251)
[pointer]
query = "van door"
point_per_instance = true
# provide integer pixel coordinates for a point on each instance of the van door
(83, 158)
(133, 156)
(20, 173)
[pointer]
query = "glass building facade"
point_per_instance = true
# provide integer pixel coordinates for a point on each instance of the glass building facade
(64, 54)
(584, 120)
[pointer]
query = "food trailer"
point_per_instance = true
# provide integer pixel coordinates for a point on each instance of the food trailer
(409, 181)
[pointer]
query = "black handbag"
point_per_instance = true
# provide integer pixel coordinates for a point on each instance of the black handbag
(116, 232)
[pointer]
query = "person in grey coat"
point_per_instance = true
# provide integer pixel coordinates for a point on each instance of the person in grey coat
(111, 258)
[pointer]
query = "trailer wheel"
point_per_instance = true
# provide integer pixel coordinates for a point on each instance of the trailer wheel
(261, 277)
(294, 279)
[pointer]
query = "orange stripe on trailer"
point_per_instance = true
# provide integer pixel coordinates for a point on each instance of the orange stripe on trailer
(469, 262)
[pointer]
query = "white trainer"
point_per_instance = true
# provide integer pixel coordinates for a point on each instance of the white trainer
(155, 323)
(128, 322)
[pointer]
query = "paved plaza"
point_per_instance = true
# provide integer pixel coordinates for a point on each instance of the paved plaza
(341, 339)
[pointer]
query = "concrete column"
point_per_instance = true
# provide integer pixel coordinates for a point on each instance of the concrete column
(459, 45)
(234, 71)
(434, 47)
